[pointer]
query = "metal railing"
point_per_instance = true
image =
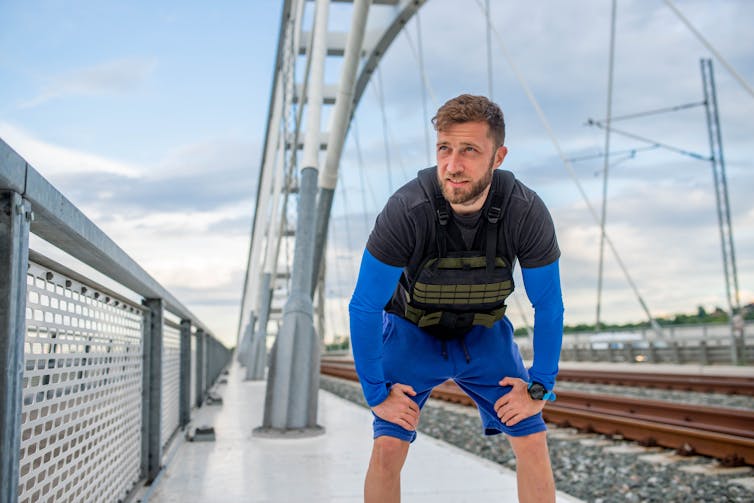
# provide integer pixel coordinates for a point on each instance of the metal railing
(705, 344)
(94, 384)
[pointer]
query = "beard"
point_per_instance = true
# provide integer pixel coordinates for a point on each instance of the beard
(469, 192)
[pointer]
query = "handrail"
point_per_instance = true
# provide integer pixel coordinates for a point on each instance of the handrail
(62, 224)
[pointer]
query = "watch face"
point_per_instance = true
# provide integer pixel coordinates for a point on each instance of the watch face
(537, 391)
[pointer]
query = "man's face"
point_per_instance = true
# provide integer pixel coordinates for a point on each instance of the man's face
(466, 158)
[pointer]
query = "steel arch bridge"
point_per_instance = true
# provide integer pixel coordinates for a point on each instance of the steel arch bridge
(302, 157)
(294, 144)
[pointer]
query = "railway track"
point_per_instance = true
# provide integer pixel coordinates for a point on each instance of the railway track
(732, 385)
(725, 434)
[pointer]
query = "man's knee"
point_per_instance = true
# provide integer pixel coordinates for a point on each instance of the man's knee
(529, 445)
(389, 453)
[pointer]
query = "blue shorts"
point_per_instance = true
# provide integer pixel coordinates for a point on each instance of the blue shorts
(413, 357)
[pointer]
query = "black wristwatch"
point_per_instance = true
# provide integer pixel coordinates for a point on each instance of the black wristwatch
(538, 392)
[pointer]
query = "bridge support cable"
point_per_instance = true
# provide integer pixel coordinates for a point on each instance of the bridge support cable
(606, 169)
(571, 172)
(293, 380)
(362, 181)
(723, 206)
(379, 93)
(747, 87)
(418, 52)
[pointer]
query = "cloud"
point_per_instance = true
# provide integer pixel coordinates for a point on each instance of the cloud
(112, 77)
(54, 160)
(201, 177)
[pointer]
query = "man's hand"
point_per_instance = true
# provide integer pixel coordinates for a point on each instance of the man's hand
(516, 405)
(398, 408)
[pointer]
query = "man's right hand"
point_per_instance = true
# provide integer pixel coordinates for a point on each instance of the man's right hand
(398, 408)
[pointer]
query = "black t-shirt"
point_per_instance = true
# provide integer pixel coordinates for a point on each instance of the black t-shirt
(405, 232)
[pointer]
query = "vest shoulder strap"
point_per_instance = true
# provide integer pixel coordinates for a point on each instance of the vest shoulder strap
(427, 181)
(431, 189)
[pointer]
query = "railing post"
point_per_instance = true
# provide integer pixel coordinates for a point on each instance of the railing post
(15, 219)
(652, 352)
(676, 348)
(703, 353)
(200, 372)
(629, 350)
(184, 404)
(151, 453)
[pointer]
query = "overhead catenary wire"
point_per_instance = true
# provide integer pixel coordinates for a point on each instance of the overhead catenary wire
(567, 164)
(647, 113)
(631, 152)
(677, 150)
(711, 48)
(606, 168)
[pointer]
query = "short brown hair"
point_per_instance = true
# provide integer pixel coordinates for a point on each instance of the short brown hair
(470, 108)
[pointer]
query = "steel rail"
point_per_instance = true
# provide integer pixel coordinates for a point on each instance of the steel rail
(725, 434)
(712, 383)
(704, 383)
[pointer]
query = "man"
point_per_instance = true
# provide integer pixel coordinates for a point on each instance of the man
(429, 302)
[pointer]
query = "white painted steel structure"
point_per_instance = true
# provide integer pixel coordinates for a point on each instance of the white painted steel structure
(298, 94)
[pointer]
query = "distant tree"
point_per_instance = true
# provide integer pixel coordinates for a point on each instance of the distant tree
(700, 312)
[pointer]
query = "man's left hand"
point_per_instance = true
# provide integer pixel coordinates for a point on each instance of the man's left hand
(516, 405)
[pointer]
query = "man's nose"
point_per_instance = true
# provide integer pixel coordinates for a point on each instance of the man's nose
(454, 164)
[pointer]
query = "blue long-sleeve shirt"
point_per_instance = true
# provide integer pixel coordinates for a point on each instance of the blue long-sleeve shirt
(377, 282)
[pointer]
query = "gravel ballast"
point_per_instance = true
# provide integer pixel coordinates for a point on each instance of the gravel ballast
(592, 467)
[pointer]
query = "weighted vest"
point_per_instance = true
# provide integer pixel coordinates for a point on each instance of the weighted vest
(451, 291)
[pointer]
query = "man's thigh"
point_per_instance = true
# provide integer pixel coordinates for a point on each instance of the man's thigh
(493, 355)
(412, 357)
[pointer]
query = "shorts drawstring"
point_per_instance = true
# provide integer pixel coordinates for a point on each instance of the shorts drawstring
(465, 349)
(462, 341)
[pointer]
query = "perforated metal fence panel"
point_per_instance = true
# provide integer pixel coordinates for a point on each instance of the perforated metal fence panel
(81, 431)
(171, 378)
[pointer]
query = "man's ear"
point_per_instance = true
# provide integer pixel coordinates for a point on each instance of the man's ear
(500, 154)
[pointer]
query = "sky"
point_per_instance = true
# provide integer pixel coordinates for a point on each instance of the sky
(150, 117)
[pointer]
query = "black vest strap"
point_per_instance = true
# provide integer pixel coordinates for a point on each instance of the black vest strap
(439, 204)
(494, 213)
(427, 180)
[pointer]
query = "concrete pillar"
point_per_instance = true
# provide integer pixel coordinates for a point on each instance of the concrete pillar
(15, 220)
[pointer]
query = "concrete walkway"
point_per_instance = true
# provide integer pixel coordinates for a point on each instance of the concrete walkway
(239, 467)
